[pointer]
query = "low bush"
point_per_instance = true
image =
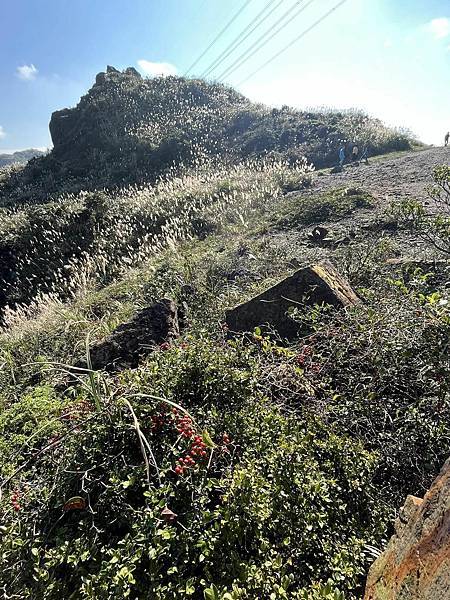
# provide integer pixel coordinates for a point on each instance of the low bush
(382, 374)
(308, 210)
(288, 502)
(430, 220)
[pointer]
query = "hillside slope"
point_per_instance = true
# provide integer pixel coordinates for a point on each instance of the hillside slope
(141, 442)
(128, 130)
(298, 454)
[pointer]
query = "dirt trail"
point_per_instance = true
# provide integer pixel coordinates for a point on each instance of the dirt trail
(390, 178)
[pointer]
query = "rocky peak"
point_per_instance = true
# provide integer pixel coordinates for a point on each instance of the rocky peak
(72, 127)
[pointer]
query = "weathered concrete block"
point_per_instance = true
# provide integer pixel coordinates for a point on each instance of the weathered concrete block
(318, 284)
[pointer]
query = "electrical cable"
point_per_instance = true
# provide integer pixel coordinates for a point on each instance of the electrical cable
(263, 39)
(295, 40)
(238, 40)
(218, 36)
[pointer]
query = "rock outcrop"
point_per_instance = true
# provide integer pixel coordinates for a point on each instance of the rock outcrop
(138, 337)
(92, 123)
(416, 562)
(318, 284)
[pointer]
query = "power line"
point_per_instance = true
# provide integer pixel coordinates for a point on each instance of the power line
(294, 41)
(221, 32)
(263, 39)
(238, 40)
(279, 25)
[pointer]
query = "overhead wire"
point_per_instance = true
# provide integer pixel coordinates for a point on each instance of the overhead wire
(295, 40)
(242, 36)
(218, 36)
(263, 39)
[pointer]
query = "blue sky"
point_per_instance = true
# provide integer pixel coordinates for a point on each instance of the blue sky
(389, 57)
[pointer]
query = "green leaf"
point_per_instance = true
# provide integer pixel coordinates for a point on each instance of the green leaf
(190, 589)
(211, 593)
(207, 439)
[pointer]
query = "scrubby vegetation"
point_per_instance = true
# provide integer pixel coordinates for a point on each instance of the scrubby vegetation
(221, 468)
(317, 209)
(431, 220)
(52, 247)
(295, 458)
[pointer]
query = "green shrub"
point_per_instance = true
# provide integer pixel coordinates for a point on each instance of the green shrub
(382, 371)
(287, 501)
(431, 220)
(308, 210)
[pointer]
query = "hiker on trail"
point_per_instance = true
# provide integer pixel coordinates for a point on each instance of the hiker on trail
(355, 151)
(341, 156)
(365, 154)
(447, 135)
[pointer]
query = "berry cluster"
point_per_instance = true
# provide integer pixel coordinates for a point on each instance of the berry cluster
(164, 346)
(158, 421)
(184, 424)
(226, 439)
(185, 463)
(303, 356)
(15, 497)
(79, 410)
(196, 452)
(198, 448)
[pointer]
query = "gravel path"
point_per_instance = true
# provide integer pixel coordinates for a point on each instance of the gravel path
(405, 176)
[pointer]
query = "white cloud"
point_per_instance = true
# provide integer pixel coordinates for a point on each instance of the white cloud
(439, 28)
(27, 72)
(2, 132)
(154, 69)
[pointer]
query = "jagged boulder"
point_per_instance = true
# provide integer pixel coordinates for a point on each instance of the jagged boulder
(416, 562)
(138, 337)
(318, 284)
